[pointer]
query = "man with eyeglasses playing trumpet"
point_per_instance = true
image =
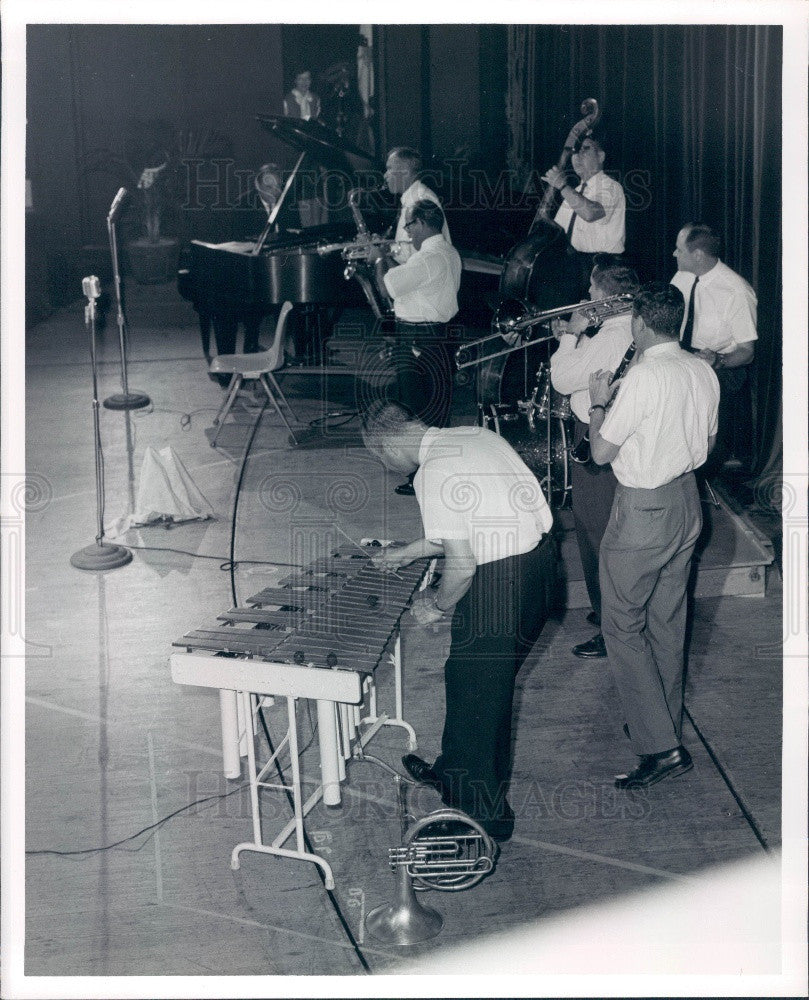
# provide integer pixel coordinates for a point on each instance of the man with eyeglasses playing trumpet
(572, 364)
(424, 290)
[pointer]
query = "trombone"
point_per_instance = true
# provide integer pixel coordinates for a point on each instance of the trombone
(507, 327)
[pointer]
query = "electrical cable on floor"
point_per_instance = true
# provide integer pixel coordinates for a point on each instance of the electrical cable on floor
(726, 778)
(312, 729)
(155, 826)
(146, 829)
(330, 892)
(328, 419)
(239, 481)
(184, 415)
(225, 562)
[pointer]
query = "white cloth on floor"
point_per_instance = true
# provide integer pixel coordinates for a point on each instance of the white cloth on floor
(167, 492)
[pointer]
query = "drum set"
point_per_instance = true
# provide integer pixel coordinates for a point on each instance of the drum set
(515, 397)
(540, 431)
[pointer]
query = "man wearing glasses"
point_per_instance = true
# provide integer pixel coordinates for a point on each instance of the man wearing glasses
(593, 212)
(402, 169)
(424, 290)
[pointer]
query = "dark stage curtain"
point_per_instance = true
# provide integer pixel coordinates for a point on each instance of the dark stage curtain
(692, 127)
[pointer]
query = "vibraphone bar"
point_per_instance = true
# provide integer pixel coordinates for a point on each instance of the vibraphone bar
(320, 633)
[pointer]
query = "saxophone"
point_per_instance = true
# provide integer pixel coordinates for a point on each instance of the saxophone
(358, 266)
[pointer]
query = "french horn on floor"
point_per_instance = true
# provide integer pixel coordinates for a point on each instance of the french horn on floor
(429, 857)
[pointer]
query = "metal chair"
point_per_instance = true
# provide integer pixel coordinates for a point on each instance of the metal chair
(258, 368)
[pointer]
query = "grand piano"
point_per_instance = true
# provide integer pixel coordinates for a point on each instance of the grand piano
(245, 281)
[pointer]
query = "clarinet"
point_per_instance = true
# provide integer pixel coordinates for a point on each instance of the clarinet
(580, 453)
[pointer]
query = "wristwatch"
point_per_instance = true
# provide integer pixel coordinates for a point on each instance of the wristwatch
(596, 406)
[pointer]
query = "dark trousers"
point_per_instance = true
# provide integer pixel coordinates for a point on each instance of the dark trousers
(645, 564)
(593, 492)
(494, 626)
(584, 263)
(734, 399)
(424, 371)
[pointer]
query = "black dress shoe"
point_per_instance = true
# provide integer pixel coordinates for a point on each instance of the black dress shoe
(405, 489)
(499, 830)
(654, 767)
(592, 649)
(421, 772)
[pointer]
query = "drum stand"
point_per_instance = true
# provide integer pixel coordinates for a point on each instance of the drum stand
(548, 418)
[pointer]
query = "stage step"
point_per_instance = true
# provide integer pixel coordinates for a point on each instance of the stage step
(733, 555)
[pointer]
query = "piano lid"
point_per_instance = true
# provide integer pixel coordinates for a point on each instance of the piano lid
(322, 143)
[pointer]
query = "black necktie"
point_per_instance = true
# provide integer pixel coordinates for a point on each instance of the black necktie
(688, 329)
(573, 217)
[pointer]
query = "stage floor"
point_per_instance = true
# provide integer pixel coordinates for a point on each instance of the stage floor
(113, 746)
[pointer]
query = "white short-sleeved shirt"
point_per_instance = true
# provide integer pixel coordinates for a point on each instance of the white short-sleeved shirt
(416, 192)
(662, 416)
(573, 363)
(725, 308)
(606, 235)
(472, 485)
(425, 288)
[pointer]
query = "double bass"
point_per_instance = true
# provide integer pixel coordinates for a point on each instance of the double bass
(539, 274)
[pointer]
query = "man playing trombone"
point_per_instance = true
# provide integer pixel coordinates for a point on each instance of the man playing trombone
(576, 358)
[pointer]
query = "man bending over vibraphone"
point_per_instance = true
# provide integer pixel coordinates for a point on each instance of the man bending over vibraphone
(483, 510)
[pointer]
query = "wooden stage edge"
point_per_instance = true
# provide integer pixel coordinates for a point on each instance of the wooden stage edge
(732, 564)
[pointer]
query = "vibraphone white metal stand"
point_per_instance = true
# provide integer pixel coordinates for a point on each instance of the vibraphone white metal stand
(335, 749)
(343, 731)
(338, 694)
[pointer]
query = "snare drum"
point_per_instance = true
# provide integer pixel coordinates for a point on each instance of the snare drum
(541, 443)
(547, 399)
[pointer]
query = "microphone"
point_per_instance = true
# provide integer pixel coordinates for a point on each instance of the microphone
(91, 286)
(115, 207)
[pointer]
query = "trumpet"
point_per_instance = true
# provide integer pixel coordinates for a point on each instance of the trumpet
(360, 249)
(512, 318)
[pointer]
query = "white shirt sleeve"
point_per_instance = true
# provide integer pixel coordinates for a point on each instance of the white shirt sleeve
(628, 409)
(413, 274)
(741, 318)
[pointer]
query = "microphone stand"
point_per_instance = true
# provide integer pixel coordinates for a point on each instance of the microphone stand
(124, 400)
(101, 555)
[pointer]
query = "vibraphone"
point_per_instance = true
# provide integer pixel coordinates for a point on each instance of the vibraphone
(319, 634)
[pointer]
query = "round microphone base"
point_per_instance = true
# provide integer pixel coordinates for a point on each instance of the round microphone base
(127, 401)
(98, 558)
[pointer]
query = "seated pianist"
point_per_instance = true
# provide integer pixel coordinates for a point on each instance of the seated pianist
(225, 322)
